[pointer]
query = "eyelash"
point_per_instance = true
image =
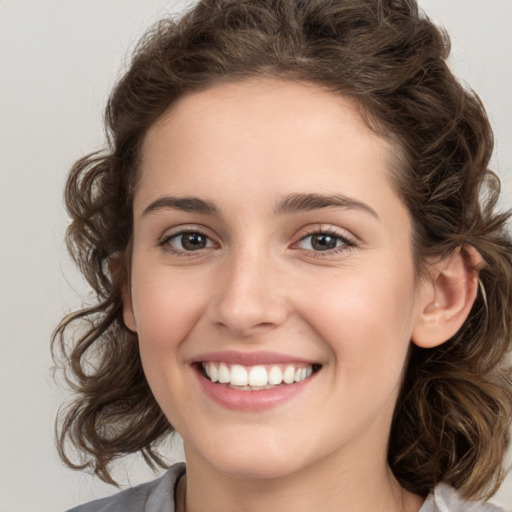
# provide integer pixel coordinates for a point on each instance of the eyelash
(346, 242)
(166, 246)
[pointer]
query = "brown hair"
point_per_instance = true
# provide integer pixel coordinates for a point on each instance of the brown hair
(453, 415)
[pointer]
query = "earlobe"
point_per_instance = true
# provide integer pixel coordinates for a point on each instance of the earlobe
(128, 315)
(118, 272)
(448, 296)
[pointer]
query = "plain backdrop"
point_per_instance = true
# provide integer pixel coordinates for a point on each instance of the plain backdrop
(58, 60)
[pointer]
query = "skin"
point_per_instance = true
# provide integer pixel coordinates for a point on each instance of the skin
(260, 285)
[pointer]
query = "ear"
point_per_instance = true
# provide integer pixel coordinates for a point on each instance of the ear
(128, 315)
(448, 295)
(117, 270)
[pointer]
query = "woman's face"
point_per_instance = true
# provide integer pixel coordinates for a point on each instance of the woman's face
(270, 244)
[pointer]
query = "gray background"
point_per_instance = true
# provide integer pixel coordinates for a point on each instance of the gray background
(58, 60)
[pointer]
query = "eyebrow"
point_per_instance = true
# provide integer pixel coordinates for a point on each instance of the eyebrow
(289, 204)
(307, 202)
(185, 204)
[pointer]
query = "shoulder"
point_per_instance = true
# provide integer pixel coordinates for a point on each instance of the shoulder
(446, 499)
(154, 496)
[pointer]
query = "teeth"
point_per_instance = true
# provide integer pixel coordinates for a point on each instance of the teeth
(300, 374)
(224, 377)
(289, 375)
(258, 376)
(239, 376)
(214, 372)
(275, 376)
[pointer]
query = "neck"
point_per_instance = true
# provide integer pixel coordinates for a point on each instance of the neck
(325, 485)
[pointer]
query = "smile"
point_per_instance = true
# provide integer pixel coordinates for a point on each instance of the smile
(253, 381)
(258, 377)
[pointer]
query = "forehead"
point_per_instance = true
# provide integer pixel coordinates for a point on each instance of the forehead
(258, 106)
(268, 136)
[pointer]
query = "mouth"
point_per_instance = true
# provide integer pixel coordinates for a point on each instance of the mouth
(257, 377)
(253, 381)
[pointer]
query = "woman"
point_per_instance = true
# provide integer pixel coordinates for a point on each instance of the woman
(298, 265)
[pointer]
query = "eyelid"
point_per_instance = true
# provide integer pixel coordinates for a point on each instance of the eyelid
(328, 229)
(186, 228)
(169, 234)
(349, 241)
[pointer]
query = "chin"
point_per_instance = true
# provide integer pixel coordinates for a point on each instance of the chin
(252, 460)
(262, 468)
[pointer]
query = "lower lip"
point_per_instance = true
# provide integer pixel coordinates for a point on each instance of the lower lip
(252, 401)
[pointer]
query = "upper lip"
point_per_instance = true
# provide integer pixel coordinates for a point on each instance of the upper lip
(250, 358)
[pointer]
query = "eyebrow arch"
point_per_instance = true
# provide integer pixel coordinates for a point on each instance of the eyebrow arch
(306, 202)
(185, 204)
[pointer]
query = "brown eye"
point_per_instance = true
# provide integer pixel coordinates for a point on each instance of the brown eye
(193, 241)
(323, 242)
(187, 241)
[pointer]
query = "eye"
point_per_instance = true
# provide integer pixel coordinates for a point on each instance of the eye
(325, 241)
(186, 241)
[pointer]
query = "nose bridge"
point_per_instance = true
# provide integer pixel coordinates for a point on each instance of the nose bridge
(249, 298)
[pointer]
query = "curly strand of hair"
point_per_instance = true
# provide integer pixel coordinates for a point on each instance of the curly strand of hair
(108, 392)
(444, 446)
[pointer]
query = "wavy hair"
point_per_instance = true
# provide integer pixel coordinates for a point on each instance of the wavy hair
(453, 415)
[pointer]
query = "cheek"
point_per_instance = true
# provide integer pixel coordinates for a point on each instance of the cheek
(166, 307)
(366, 318)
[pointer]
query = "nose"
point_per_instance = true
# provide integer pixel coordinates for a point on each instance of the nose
(251, 296)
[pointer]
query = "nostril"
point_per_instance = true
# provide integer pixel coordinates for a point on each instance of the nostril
(264, 325)
(245, 330)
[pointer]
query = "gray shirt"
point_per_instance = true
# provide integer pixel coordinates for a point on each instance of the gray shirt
(159, 496)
